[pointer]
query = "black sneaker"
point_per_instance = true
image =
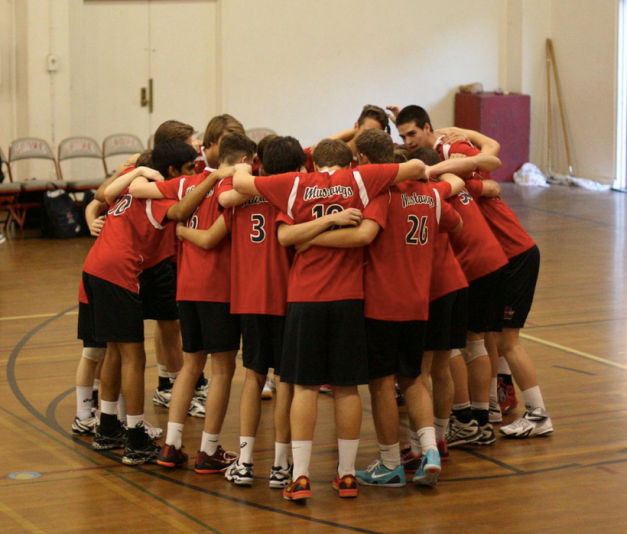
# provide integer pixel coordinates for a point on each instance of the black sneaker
(145, 452)
(108, 440)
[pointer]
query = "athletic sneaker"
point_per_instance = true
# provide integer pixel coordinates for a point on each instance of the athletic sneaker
(107, 442)
(443, 449)
(218, 462)
(146, 452)
(429, 470)
(298, 490)
(534, 423)
(162, 397)
(268, 389)
(240, 474)
(495, 411)
(507, 396)
(409, 460)
(202, 387)
(281, 477)
(346, 486)
(378, 474)
(487, 435)
(154, 432)
(400, 398)
(326, 388)
(86, 427)
(170, 456)
(196, 408)
(462, 433)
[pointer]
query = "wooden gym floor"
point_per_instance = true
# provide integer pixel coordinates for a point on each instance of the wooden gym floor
(574, 481)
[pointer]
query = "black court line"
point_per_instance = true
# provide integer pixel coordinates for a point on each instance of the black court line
(511, 468)
(573, 370)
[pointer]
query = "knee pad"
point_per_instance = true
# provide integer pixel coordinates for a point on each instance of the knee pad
(94, 354)
(474, 350)
(455, 352)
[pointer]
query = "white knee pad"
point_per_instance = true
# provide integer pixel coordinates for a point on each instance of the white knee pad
(94, 354)
(455, 352)
(474, 350)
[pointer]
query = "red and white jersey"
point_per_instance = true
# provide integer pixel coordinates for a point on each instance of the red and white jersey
(129, 239)
(260, 265)
(475, 247)
(400, 259)
(324, 274)
(202, 275)
(504, 224)
(200, 163)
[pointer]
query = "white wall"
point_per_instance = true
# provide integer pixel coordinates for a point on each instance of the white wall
(7, 73)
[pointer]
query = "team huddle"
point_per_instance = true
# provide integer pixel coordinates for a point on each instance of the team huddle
(352, 262)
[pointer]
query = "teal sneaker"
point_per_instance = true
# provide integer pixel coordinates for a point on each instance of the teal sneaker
(379, 475)
(429, 470)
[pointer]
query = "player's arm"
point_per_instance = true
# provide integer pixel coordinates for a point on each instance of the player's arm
(295, 234)
(231, 198)
(183, 209)
(360, 236)
(487, 145)
(206, 239)
(457, 184)
(244, 181)
(411, 170)
(143, 188)
(490, 189)
(94, 222)
(115, 189)
(130, 162)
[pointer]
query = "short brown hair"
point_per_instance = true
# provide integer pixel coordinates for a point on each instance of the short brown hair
(173, 130)
(261, 145)
(426, 154)
(376, 145)
(376, 113)
(234, 146)
(220, 125)
(144, 159)
(330, 152)
(401, 154)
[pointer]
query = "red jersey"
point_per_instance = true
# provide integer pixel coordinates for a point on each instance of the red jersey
(475, 247)
(202, 275)
(504, 224)
(200, 163)
(323, 274)
(260, 265)
(446, 274)
(400, 259)
(130, 237)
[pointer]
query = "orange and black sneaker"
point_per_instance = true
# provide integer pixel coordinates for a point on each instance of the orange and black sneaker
(298, 490)
(170, 456)
(345, 486)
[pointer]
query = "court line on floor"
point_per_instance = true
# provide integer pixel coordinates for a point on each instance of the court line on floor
(20, 520)
(574, 351)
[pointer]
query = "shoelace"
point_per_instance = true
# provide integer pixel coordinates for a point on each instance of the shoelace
(373, 466)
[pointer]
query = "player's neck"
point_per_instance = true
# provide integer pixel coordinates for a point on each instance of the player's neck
(331, 169)
(353, 147)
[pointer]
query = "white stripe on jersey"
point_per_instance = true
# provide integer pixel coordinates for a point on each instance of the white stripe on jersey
(438, 206)
(151, 217)
(445, 150)
(292, 199)
(363, 194)
(181, 188)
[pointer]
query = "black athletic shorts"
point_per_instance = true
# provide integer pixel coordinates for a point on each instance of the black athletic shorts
(325, 343)
(116, 313)
(262, 342)
(395, 347)
(208, 327)
(86, 328)
(157, 289)
(486, 299)
(448, 321)
(521, 275)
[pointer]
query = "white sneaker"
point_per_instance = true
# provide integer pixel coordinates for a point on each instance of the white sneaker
(459, 433)
(495, 411)
(268, 389)
(240, 474)
(162, 397)
(200, 392)
(196, 408)
(534, 423)
(281, 477)
(85, 427)
(154, 432)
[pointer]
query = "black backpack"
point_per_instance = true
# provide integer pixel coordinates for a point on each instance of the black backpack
(61, 217)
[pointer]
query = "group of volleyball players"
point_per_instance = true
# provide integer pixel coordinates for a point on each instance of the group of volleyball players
(348, 263)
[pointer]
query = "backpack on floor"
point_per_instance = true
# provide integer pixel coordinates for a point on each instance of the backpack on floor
(61, 217)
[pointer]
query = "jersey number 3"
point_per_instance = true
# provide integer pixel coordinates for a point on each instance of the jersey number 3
(419, 233)
(259, 233)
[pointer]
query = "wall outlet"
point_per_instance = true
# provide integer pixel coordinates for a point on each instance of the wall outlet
(53, 63)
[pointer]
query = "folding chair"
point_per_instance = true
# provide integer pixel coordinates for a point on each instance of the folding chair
(27, 148)
(116, 144)
(8, 193)
(83, 148)
(257, 134)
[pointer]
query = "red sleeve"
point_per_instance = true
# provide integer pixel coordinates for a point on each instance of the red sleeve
(223, 186)
(465, 148)
(377, 209)
(277, 189)
(157, 210)
(309, 164)
(172, 189)
(444, 188)
(474, 187)
(228, 219)
(376, 178)
(283, 218)
(449, 218)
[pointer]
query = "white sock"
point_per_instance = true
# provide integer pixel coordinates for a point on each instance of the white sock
(493, 388)
(175, 435)
(347, 449)
(415, 443)
(440, 426)
(96, 386)
(281, 454)
(503, 366)
(462, 406)
(162, 370)
(390, 455)
(83, 402)
(122, 408)
(109, 407)
(209, 443)
(246, 446)
(173, 376)
(480, 405)
(533, 398)
(301, 452)
(427, 439)
(135, 420)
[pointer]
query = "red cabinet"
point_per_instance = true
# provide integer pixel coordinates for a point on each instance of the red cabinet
(505, 118)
